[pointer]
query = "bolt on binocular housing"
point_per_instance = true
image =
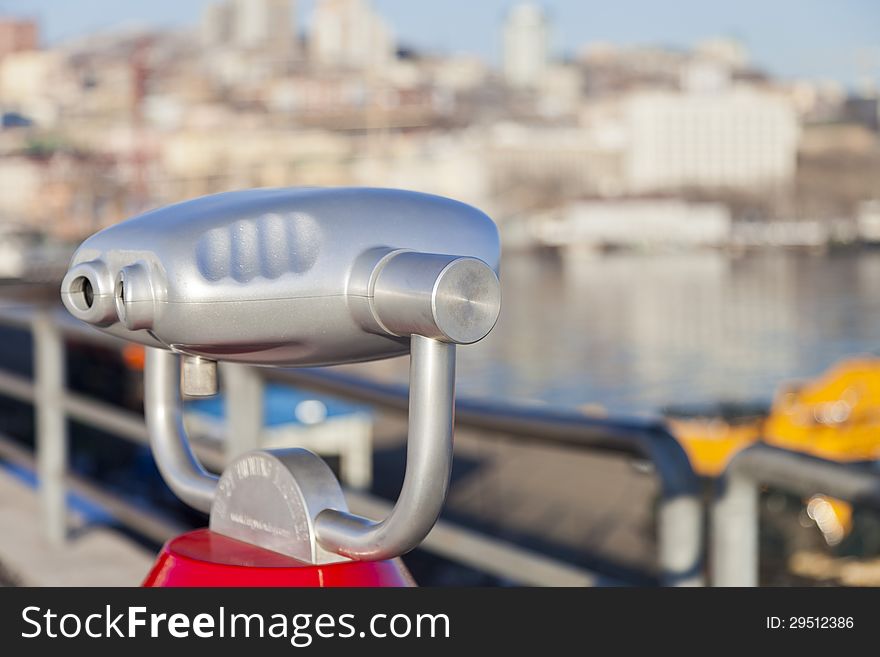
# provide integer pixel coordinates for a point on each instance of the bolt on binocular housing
(296, 277)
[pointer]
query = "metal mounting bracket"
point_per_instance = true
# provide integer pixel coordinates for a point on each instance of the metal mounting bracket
(289, 501)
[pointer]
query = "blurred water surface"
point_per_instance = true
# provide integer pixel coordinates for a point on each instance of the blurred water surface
(635, 333)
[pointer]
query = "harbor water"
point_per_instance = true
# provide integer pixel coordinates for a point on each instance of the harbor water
(637, 333)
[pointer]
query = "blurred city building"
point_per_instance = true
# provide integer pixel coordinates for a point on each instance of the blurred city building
(724, 139)
(260, 25)
(215, 27)
(17, 35)
(349, 34)
(108, 124)
(264, 24)
(526, 47)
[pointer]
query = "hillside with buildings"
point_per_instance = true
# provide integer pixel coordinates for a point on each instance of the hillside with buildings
(103, 126)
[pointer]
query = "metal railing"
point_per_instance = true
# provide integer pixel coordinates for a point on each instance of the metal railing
(734, 528)
(680, 511)
(54, 404)
(735, 523)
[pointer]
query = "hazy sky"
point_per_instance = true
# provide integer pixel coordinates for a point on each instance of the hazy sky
(838, 39)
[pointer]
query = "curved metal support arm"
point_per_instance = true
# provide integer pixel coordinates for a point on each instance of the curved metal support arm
(428, 465)
(178, 465)
(428, 461)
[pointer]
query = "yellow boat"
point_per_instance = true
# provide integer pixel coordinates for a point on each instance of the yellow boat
(835, 416)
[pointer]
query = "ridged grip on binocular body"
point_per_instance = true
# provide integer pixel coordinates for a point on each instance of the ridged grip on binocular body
(292, 276)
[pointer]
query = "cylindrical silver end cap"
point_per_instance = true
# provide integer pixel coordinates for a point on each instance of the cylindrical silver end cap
(449, 298)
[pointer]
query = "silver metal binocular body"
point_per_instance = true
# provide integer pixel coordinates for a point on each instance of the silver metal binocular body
(297, 277)
(292, 276)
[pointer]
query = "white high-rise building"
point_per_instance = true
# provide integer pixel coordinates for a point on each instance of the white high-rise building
(264, 25)
(740, 138)
(215, 28)
(257, 25)
(526, 44)
(349, 34)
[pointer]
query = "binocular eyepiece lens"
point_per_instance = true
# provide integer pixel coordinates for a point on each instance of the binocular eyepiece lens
(82, 293)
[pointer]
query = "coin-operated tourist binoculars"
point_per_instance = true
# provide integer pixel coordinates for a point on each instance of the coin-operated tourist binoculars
(293, 277)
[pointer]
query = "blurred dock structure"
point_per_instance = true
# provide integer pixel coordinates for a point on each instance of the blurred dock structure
(540, 495)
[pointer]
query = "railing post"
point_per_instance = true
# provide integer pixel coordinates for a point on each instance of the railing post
(51, 424)
(734, 551)
(680, 513)
(679, 540)
(243, 387)
(356, 469)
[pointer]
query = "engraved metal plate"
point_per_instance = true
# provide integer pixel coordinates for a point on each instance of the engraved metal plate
(271, 499)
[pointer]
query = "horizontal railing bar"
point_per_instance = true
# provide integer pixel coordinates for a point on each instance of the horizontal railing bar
(17, 386)
(735, 511)
(109, 418)
(147, 524)
(100, 415)
(20, 316)
(491, 556)
(72, 328)
(534, 422)
(648, 439)
(85, 410)
(805, 474)
(17, 316)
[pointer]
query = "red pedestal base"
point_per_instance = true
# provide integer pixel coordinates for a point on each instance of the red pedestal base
(203, 558)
